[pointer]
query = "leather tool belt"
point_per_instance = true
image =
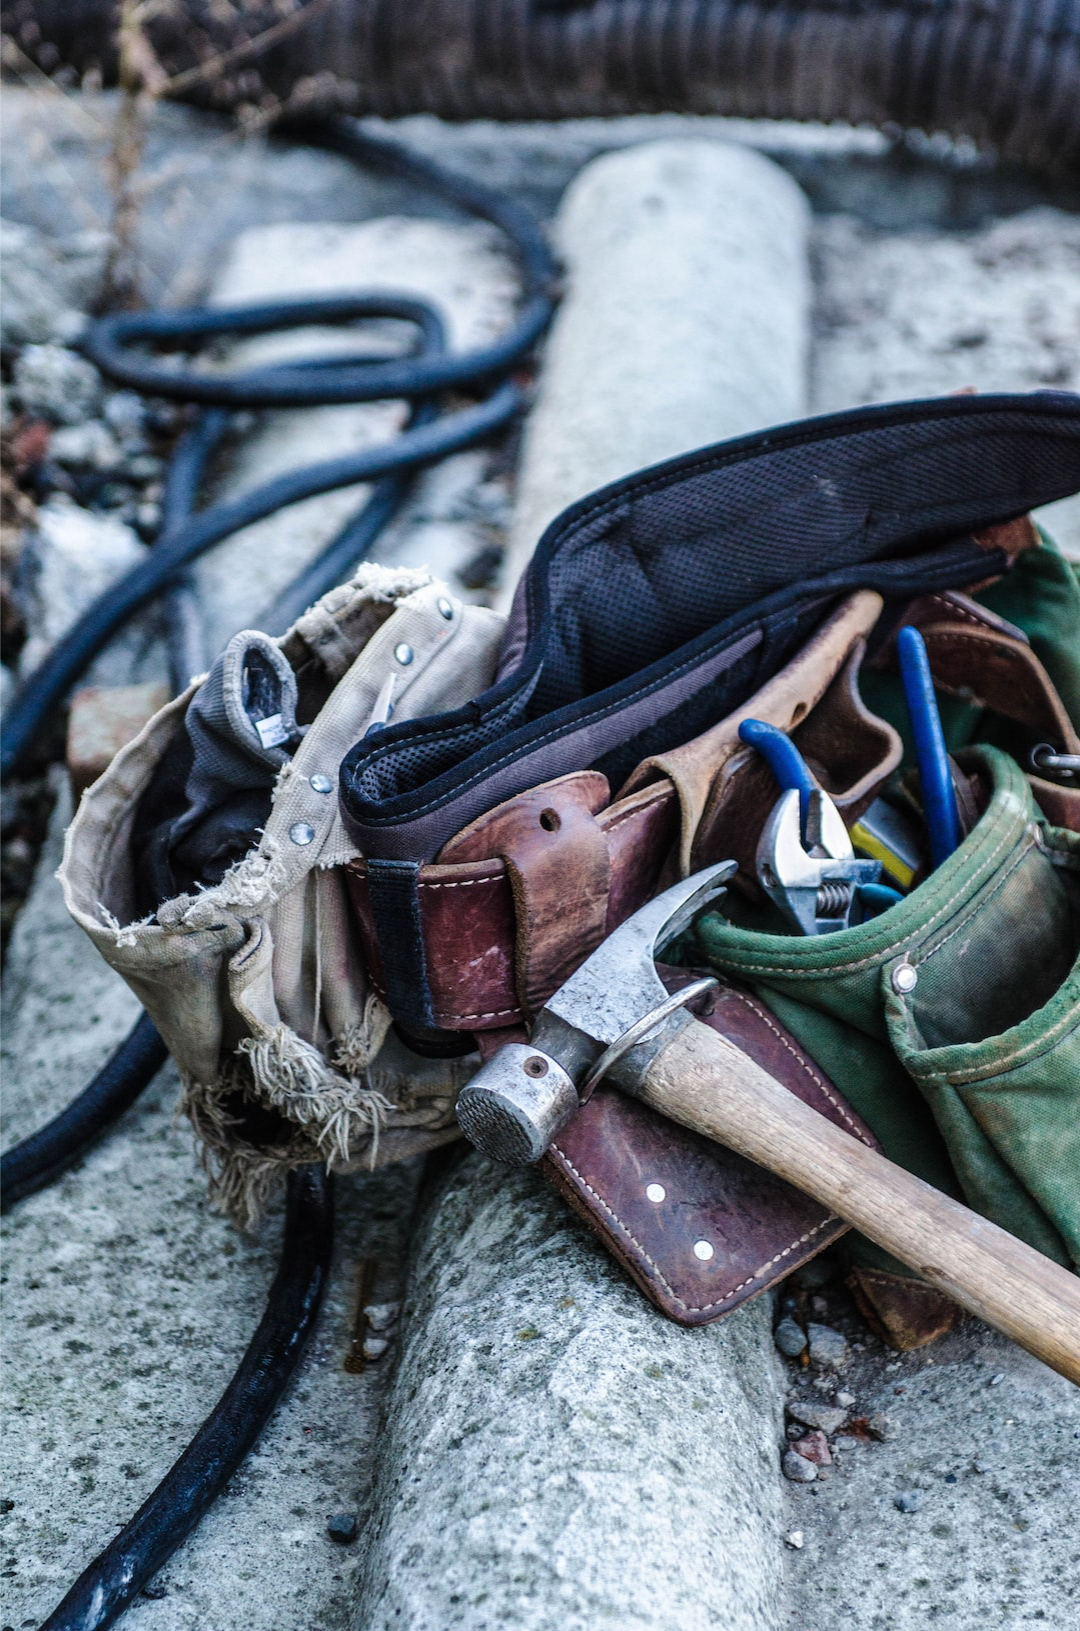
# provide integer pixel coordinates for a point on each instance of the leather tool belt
(583, 756)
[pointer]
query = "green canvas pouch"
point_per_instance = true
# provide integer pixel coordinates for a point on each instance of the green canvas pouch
(971, 1077)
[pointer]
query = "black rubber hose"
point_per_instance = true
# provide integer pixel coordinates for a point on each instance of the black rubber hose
(37, 1160)
(49, 684)
(102, 1592)
(1004, 74)
(34, 1162)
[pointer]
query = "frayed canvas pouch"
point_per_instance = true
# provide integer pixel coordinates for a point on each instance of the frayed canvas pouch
(257, 981)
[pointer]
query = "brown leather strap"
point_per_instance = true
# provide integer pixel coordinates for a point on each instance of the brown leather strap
(559, 869)
(698, 1228)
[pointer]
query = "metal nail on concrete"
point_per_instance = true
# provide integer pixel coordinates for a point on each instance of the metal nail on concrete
(558, 1456)
(686, 320)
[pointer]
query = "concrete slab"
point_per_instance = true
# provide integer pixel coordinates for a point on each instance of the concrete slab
(555, 1452)
(685, 321)
(127, 1306)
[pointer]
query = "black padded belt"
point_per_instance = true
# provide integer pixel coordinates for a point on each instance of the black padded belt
(654, 606)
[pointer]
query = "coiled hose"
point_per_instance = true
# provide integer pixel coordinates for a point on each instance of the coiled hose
(109, 1584)
(429, 435)
(1004, 74)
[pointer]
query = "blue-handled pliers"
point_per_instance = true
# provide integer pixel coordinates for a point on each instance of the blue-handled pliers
(943, 827)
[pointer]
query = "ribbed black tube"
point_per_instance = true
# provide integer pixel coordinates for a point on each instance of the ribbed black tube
(103, 1591)
(37, 1160)
(1004, 73)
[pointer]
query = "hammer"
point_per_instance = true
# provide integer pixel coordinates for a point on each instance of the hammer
(613, 1018)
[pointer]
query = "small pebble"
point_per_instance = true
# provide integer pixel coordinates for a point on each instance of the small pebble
(794, 1539)
(828, 1348)
(789, 1337)
(797, 1468)
(819, 1306)
(57, 384)
(909, 1500)
(375, 1347)
(90, 445)
(846, 1400)
(342, 1527)
(883, 1427)
(996, 1380)
(381, 1316)
(829, 1418)
(814, 1447)
(981, 1466)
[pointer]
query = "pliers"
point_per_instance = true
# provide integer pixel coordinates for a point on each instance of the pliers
(805, 861)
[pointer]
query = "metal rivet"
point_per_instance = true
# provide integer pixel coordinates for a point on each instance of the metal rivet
(655, 1193)
(703, 1250)
(403, 654)
(321, 784)
(445, 608)
(904, 978)
(536, 1066)
(301, 833)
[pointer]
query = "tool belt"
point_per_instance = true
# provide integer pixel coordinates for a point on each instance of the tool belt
(388, 837)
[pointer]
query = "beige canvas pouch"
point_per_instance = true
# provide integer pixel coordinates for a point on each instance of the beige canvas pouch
(258, 984)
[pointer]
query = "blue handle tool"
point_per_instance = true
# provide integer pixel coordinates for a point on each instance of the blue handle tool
(938, 794)
(783, 759)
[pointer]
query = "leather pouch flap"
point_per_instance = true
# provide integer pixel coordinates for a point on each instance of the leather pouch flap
(699, 1228)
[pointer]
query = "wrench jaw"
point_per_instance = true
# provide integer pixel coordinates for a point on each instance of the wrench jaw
(817, 892)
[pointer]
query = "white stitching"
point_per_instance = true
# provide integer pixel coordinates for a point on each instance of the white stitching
(461, 883)
(691, 1308)
(805, 1063)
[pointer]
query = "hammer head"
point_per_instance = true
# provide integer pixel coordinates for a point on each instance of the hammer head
(519, 1100)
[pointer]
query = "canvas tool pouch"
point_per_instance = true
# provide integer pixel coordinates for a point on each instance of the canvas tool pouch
(259, 982)
(971, 1078)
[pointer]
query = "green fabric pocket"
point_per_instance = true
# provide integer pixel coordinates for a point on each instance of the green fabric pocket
(992, 937)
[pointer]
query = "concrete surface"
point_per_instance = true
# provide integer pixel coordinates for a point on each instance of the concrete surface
(129, 1301)
(684, 320)
(985, 1450)
(555, 1453)
(127, 1306)
(920, 313)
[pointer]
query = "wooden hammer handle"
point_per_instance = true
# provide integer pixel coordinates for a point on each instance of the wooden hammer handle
(708, 1084)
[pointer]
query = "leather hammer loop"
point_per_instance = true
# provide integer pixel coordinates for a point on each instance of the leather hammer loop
(421, 377)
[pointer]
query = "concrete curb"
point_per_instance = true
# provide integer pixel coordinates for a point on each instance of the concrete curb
(686, 320)
(556, 1453)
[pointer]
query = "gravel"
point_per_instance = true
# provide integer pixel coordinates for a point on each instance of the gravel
(828, 1418)
(797, 1469)
(828, 1348)
(790, 1337)
(57, 384)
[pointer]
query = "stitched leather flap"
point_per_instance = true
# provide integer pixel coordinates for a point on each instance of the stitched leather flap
(557, 862)
(787, 698)
(699, 1228)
